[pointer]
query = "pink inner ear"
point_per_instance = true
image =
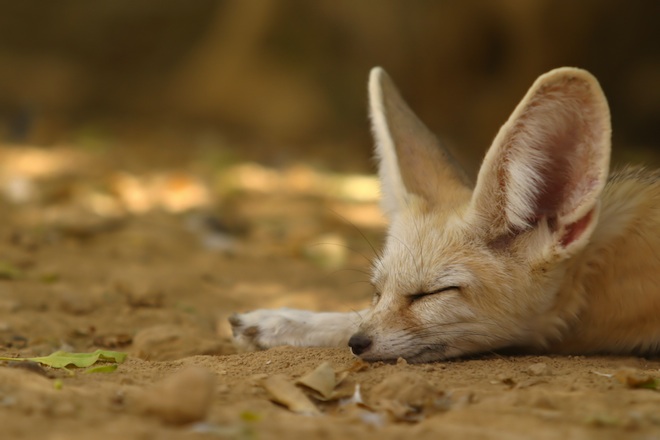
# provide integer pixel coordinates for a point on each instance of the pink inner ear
(558, 179)
(575, 230)
(567, 166)
(549, 161)
(568, 172)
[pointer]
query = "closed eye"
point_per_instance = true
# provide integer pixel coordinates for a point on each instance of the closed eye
(416, 296)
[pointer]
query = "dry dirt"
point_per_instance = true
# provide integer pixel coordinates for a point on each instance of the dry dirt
(151, 261)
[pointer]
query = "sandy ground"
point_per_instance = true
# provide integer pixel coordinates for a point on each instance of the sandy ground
(153, 260)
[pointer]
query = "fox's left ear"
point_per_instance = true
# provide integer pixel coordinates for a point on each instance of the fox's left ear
(412, 163)
(549, 162)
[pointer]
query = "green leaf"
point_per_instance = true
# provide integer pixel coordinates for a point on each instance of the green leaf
(63, 359)
(249, 416)
(49, 277)
(9, 272)
(651, 384)
(109, 368)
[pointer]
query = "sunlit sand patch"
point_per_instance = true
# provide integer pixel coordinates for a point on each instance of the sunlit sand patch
(299, 179)
(173, 192)
(34, 162)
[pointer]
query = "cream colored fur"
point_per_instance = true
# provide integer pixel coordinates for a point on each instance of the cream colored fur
(545, 253)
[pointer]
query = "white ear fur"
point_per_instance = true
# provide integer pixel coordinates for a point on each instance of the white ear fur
(411, 160)
(549, 161)
(394, 194)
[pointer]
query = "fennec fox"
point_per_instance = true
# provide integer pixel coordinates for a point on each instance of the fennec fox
(544, 253)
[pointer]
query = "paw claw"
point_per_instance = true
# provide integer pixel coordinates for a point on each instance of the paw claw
(246, 332)
(235, 320)
(251, 332)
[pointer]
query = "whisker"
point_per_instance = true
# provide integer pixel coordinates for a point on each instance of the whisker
(357, 312)
(352, 269)
(373, 249)
(405, 245)
(342, 246)
(418, 232)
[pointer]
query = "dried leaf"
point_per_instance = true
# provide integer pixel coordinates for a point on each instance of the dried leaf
(321, 380)
(357, 366)
(63, 359)
(109, 368)
(339, 377)
(407, 397)
(286, 393)
(635, 379)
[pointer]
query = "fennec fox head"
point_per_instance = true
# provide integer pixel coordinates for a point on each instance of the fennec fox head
(468, 268)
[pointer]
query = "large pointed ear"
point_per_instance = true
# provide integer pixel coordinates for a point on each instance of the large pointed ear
(411, 160)
(549, 162)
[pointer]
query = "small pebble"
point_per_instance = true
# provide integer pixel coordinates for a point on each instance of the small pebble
(184, 397)
(539, 369)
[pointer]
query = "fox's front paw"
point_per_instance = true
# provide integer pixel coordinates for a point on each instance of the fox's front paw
(259, 329)
(263, 329)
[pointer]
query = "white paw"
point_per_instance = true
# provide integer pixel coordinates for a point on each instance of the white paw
(263, 329)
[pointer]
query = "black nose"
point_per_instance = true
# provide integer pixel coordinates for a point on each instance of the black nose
(359, 343)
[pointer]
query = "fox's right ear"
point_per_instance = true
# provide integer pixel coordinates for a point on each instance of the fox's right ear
(549, 163)
(412, 164)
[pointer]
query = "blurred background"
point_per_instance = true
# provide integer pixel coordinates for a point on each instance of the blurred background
(164, 163)
(281, 81)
